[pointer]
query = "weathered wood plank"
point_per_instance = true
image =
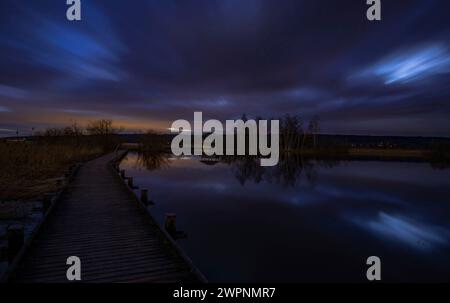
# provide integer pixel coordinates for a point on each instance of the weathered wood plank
(98, 220)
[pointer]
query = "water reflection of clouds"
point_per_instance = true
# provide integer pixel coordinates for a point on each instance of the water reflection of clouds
(216, 186)
(418, 235)
(215, 180)
(358, 195)
(301, 198)
(398, 172)
(394, 210)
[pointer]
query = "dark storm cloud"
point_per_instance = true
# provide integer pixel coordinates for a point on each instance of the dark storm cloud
(146, 63)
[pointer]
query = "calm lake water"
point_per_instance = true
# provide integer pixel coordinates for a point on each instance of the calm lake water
(310, 222)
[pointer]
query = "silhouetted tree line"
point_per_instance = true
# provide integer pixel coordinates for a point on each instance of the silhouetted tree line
(100, 132)
(298, 136)
(295, 136)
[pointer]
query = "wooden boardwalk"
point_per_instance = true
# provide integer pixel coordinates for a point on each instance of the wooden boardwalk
(100, 221)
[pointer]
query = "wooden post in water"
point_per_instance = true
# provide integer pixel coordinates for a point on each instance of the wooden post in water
(16, 237)
(144, 196)
(122, 174)
(130, 182)
(171, 224)
(47, 202)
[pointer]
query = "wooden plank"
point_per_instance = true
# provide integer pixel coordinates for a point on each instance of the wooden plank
(98, 220)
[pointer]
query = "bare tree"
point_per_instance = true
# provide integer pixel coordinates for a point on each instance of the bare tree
(74, 130)
(101, 127)
(314, 128)
(291, 131)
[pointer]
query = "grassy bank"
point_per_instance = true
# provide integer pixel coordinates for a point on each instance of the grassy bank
(31, 168)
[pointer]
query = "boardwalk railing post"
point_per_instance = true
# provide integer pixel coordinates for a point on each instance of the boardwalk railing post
(144, 196)
(171, 224)
(122, 174)
(130, 182)
(15, 235)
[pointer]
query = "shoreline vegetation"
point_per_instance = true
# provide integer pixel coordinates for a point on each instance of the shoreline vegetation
(32, 166)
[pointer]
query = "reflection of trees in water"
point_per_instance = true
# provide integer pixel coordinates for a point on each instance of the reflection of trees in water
(291, 167)
(246, 168)
(288, 172)
(152, 160)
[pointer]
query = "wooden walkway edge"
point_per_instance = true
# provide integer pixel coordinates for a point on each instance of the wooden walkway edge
(98, 219)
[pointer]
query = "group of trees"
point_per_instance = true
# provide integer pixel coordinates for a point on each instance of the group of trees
(294, 135)
(101, 127)
(99, 133)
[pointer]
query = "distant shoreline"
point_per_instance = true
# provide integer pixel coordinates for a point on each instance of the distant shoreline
(322, 135)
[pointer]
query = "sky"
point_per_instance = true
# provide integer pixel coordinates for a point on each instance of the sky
(146, 63)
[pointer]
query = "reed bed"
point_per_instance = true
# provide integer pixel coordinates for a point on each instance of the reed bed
(29, 169)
